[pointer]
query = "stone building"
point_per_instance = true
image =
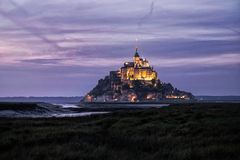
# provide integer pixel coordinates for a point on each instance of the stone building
(139, 69)
(135, 81)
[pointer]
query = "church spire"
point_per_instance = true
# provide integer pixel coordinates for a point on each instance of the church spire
(136, 53)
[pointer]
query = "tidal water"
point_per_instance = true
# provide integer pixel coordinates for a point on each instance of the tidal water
(45, 110)
(67, 106)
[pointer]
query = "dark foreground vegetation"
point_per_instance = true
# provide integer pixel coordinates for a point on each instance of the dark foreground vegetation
(200, 131)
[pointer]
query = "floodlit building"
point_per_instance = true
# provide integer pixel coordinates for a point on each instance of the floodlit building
(135, 81)
(138, 69)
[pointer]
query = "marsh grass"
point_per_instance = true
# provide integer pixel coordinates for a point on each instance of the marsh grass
(199, 132)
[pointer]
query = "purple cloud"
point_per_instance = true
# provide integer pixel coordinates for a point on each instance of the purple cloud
(188, 42)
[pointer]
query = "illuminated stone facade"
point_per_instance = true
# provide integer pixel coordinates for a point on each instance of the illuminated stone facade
(135, 81)
(139, 69)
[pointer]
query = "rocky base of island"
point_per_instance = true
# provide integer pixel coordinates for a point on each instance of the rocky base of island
(135, 81)
(137, 91)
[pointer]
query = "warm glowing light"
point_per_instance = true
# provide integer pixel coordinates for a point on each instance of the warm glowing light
(151, 96)
(133, 98)
(177, 97)
(89, 98)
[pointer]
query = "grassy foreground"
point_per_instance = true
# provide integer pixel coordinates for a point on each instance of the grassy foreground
(200, 131)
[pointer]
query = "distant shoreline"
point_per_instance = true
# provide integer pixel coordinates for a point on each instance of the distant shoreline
(172, 101)
(77, 99)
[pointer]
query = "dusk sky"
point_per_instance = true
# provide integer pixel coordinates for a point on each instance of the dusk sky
(63, 47)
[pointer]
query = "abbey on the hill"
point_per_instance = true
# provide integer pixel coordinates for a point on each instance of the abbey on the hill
(139, 70)
(135, 81)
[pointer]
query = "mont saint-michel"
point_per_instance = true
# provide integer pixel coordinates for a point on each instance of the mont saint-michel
(135, 81)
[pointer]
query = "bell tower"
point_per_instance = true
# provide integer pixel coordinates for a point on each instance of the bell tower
(136, 58)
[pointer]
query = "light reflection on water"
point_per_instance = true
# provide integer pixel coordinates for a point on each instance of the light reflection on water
(15, 114)
(77, 114)
(68, 105)
(64, 110)
(59, 111)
